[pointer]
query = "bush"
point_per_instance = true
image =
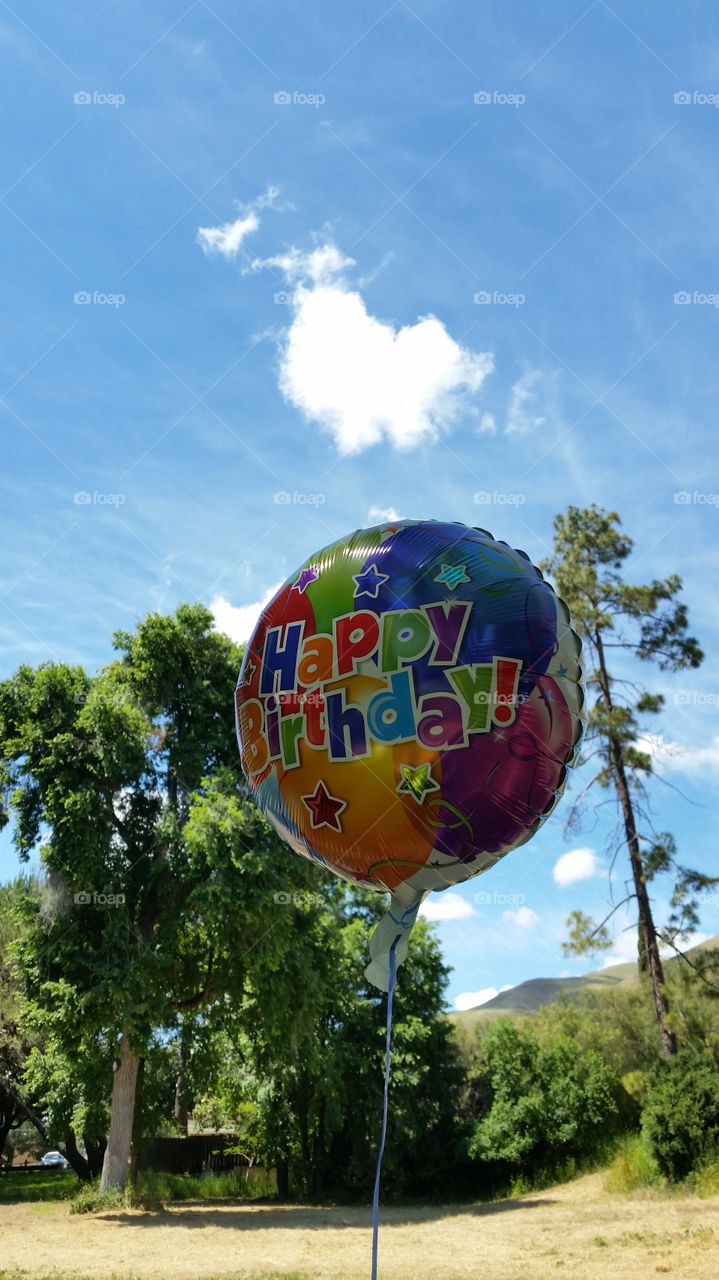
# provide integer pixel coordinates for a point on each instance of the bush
(680, 1119)
(633, 1166)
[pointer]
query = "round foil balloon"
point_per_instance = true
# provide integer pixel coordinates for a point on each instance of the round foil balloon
(407, 708)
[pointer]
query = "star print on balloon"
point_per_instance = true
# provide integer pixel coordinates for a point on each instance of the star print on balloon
(452, 575)
(305, 578)
(417, 781)
(370, 581)
(325, 809)
(408, 707)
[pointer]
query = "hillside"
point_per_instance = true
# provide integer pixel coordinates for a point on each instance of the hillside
(529, 996)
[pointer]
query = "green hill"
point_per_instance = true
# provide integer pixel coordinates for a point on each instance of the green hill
(529, 996)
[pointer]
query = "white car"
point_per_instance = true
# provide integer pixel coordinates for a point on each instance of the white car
(54, 1160)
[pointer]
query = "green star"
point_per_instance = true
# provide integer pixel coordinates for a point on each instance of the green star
(417, 781)
(452, 574)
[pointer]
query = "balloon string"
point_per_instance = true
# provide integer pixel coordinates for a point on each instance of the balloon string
(388, 1055)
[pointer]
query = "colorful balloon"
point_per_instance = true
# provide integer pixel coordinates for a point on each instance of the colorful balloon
(407, 709)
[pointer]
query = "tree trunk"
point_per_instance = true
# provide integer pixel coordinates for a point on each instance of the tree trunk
(181, 1116)
(649, 958)
(77, 1161)
(122, 1110)
(95, 1148)
(283, 1179)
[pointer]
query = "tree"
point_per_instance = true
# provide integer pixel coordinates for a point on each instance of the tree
(110, 777)
(542, 1102)
(15, 1041)
(649, 622)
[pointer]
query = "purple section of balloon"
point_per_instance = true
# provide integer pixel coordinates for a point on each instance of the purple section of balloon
(495, 790)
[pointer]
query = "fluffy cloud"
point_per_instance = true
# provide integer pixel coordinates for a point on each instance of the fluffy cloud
(239, 622)
(361, 378)
(446, 906)
(577, 864)
(472, 999)
(521, 412)
(521, 918)
(487, 425)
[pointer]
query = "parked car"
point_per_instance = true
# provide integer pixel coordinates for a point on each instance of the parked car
(54, 1160)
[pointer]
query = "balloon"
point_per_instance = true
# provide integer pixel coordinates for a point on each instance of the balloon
(407, 709)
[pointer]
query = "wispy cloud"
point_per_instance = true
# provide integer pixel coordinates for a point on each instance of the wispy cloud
(522, 416)
(227, 239)
(521, 918)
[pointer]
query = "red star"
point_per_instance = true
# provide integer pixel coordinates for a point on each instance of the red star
(324, 808)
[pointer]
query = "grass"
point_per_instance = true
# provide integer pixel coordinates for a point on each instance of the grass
(154, 1189)
(41, 1184)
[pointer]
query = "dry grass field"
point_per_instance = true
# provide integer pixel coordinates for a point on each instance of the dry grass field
(577, 1230)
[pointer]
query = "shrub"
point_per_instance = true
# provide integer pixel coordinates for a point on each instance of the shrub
(633, 1166)
(680, 1118)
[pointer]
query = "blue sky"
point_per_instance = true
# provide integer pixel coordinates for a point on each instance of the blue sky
(271, 269)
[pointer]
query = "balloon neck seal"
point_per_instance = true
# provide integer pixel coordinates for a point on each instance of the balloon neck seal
(392, 931)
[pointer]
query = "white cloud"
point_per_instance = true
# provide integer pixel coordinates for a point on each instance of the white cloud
(577, 864)
(228, 238)
(521, 412)
(487, 425)
(676, 758)
(472, 999)
(239, 622)
(362, 378)
(446, 906)
(376, 515)
(521, 918)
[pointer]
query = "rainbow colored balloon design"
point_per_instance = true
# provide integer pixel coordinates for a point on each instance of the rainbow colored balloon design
(407, 708)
